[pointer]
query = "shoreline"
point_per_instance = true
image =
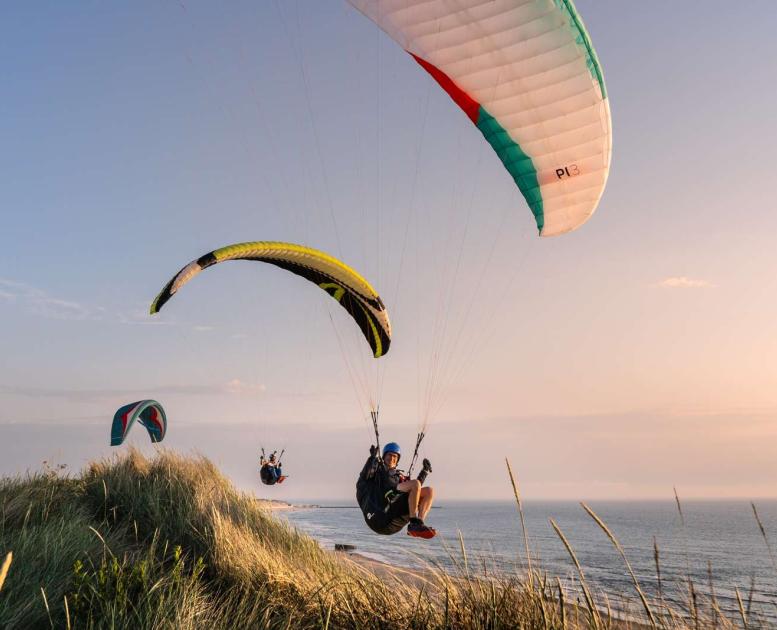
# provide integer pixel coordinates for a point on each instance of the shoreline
(372, 560)
(276, 505)
(384, 570)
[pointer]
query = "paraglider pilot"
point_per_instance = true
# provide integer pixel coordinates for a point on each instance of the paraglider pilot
(389, 499)
(270, 472)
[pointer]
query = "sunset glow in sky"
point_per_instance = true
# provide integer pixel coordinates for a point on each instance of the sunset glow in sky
(637, 353)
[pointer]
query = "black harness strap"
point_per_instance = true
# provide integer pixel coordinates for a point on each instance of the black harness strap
(389, 498)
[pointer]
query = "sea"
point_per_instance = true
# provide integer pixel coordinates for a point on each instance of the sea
(718, 544)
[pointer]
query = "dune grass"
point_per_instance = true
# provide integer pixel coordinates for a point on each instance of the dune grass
(168, 542)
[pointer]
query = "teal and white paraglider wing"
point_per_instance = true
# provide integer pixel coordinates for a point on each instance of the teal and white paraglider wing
(148, 412)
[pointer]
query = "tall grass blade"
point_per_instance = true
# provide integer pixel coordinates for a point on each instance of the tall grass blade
(102, 540)
(4, 568)
(67, 614)
(593, 612)
(463, 553)
(46, 603)
(562, 605)
(679, 506)
(658, 568)
(750, 594)
(691, 589)
(544, 611)
(523, 523)
(694, 604)
(741, 606)
(328, 617)
(617, 545)
(713, 600)
(763, 533)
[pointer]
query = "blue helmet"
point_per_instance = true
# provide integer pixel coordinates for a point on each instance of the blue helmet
(392, 447)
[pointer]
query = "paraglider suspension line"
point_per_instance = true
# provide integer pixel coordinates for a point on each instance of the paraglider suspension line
(374, 415)
(419, 438)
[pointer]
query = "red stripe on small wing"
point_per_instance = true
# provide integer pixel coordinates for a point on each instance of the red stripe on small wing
(155, 418)
(126, 417)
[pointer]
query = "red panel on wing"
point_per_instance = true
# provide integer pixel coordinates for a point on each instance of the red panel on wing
(470, 106)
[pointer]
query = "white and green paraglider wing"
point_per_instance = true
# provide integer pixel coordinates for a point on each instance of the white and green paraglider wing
(528, 77)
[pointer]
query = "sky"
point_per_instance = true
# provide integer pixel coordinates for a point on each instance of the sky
(615, 362)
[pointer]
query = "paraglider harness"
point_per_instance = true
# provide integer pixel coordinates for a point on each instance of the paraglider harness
(270, 471)
(385, 509)
(419, 438)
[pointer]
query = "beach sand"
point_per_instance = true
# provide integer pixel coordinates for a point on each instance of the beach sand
(275, 505)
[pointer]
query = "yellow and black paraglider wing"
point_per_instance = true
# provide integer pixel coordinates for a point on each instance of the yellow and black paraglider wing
(343, 283)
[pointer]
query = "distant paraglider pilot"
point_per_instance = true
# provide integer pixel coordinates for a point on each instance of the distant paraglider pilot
(270, 471)
(389, 499)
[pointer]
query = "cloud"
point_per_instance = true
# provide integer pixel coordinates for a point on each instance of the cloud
(236, 386)
(41, 303)
(58, 420)
(141, 317)
(13, 286)
(45, 305)
(233, 387)
(684, 282)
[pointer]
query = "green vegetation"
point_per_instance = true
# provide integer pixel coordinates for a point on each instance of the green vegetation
(169, 543)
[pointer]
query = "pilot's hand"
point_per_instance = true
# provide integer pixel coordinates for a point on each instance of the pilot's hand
(427, 465)
(373, 450)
